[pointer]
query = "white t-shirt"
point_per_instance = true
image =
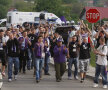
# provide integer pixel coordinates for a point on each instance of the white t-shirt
(6, 38)
(102, 60)
(2, 40)
(72, 33)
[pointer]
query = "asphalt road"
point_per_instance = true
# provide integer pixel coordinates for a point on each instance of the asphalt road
(27, 82)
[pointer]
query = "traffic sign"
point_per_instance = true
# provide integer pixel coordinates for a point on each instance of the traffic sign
(92, 15)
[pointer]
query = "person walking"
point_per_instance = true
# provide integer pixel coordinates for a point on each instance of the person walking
(13, 56)
(84, 58)
(73, 58)
(101, 63)
(60, 52)
(38, 50)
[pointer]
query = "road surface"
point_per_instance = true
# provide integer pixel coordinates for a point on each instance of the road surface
(27, 82)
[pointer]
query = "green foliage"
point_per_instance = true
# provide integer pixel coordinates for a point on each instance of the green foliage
(69, 8)
(4, 6)
(24, 6)
(76, 9)
(93, 61)
(69, 1)
(5, 2)
(53, 6)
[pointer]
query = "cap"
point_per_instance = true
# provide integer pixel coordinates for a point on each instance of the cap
(60, 40)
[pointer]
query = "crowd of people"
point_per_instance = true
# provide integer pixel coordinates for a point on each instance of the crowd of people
(32, 47)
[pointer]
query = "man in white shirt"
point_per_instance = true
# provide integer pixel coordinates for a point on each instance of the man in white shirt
(7, 35)
(101, 63)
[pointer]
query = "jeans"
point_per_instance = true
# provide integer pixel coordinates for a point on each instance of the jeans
(11, 61)
(71, 62)
(38, 65)
(100, 69)
(47, 60)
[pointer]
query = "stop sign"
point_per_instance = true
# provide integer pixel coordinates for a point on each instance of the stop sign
(92, 15)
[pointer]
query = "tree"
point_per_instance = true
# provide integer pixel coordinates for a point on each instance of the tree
(24, 6)
(4, 6)
(53, 6)
(69, 1)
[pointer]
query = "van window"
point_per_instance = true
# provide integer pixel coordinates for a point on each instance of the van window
(9, 19)
(3, 24)
(36, 19)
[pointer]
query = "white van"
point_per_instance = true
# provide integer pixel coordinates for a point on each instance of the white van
(18, 18)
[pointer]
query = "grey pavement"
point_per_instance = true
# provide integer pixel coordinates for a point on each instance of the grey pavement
(27, 82)
(90, 73)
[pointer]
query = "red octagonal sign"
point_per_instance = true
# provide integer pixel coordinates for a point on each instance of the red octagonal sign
(92, 15)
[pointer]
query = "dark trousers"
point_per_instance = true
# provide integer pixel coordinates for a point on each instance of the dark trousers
(23, 59)
(60, 69)
(33, 59)
(47, 60)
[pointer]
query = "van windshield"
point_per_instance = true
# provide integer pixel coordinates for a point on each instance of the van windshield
(9, 19)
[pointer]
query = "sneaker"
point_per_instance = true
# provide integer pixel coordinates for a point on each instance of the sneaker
(3, 73)
(24, 72)
(82, 80)
(15, 77)
(58, 80)
(69, 78)
(76, 78)
(47, 74)
(95, 85)
(104, 86)
(37, 81)
(9, 80)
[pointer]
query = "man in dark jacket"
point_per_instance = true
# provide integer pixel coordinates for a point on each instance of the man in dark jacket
(13, 56)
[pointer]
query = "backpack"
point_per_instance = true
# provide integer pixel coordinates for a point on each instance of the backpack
(107, 51)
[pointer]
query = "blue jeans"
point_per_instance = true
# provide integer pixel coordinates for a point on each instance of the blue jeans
(100, 69)
(71, 62)
(47, 60)
(38, 65)
(11, 61)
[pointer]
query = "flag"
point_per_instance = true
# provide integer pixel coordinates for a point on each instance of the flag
(63, 19)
